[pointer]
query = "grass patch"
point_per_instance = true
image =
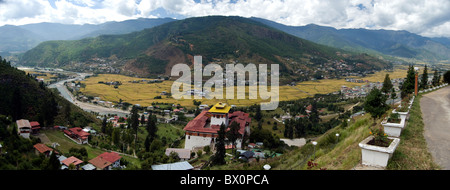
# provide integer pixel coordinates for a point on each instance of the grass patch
(412, 152)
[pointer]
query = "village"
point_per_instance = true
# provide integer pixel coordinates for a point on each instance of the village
(201, 133)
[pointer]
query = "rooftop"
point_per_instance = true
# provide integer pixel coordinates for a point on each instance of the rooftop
(71, 160)
(220, 108)
(42, 148)
(174, 166)
(23, 123)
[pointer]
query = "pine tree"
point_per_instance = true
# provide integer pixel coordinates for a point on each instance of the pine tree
(258, 115)
(436, 78)
(423, 82)
(375, 104)
(151, 127)
(233, 134)
(53, 163)
(447, 77)
(219, 156)
(134, 122)
(104, 124)
(387, 85)
(409, 83)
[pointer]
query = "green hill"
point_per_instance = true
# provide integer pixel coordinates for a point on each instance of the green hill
(344, 153)
(216, 38)
(384, 43)
(25, 98)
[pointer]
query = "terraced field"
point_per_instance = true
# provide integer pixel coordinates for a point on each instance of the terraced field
(144, 93)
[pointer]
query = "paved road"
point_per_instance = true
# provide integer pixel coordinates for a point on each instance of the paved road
(435, 107)
(85, 106)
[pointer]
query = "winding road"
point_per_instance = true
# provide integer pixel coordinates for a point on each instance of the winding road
(83, 105)
(435, 107)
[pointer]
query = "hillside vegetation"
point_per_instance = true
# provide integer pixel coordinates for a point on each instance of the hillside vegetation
(344, 153)
(218, 39)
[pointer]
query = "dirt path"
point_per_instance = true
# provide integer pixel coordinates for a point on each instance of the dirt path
(435, 107)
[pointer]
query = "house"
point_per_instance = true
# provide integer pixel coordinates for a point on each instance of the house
(72, 160)
(88, 167)
(202, 130)
(43, 149)
(23, 128)
(183, 154)
(77, 134)
(203, 106)
(174, 166)
(106, 161)
(35, 126)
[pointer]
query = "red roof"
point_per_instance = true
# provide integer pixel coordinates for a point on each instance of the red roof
(242, 118)
(99, 162)
(79, 132)
(71, 160)
(34, 124)
(42, 148)
(104, 160)
(201, 122)
(110, 156)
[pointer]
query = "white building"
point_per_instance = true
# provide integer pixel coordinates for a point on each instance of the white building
(202, 130)
(23, 128)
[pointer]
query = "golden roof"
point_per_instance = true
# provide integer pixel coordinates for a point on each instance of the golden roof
(220, 108)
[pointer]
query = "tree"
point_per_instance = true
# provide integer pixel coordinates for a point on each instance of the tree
(16, 105)
(387, 85)
(314, 114)
(116, 136)
(142, 119)
(134, 122)
(233, 134)
(447, 77)
(53, 163)
(219, 156)
(151, 127)
(375, 104)
(409, 83)
(104, 124)
(258, 115)
(423, 82)
(436, 78)
(393, 95)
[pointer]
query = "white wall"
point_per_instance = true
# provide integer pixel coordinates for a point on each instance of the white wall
(192, 141)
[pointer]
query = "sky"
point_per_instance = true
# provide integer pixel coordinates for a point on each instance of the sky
(429, 18)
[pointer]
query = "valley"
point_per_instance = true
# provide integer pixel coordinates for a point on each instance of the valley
(144, 92)
(117, 86)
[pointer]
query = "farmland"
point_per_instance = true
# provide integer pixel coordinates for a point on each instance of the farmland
(144, 93)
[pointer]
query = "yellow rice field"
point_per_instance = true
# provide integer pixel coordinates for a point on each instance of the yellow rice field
(144, 93)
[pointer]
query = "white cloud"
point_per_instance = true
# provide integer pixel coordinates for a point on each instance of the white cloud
(424, 17)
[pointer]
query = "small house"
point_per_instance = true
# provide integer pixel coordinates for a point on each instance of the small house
(72, 160)
(174, 166)
(42, 149)
(35, 127)
(23, 128)
(77, 134)
(183, 154)
(106, 161)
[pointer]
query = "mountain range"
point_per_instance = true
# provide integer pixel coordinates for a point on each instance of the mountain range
(218, 39)
(25, 37)
(376, 42)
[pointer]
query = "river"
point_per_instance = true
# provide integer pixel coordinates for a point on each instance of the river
(64, 92)
(83, 105)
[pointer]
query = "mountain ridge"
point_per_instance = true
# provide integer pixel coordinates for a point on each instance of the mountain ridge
(33, 34)
(398, 43)
(223, 40)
